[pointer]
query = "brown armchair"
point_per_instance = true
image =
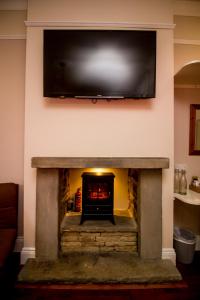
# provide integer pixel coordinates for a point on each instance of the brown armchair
(8, 220)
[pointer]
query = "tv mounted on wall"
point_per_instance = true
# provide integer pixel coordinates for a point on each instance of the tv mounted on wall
(99, 63)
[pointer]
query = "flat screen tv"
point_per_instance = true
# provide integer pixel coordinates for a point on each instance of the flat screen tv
(99, 63)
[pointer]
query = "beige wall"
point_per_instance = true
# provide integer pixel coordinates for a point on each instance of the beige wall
(187, 49)
(185, 215)
(187, 40)
(187, 7)
(12, 76)
(187, 27)
(186, 31)
(184, 54)
(79, 128)
(12, 79)
(183, 98)
(12, 23)
(101, 10)
(13, 4)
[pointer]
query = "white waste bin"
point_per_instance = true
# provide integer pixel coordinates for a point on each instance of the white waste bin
(184, 245)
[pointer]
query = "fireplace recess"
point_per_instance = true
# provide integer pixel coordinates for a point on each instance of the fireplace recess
(97, 196)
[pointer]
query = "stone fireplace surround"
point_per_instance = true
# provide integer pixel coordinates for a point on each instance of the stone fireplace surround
(149, 200)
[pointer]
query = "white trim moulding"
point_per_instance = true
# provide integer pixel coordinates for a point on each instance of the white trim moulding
(169, 253)
(197, 247)
(29, 252)
(74, 24)
(187, 42)
(26, 253)
(19, 243)
(12, 36)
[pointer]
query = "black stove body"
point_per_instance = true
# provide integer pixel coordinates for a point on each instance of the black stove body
(97, 196)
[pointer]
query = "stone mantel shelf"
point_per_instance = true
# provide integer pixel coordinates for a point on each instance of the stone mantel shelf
(101, 162)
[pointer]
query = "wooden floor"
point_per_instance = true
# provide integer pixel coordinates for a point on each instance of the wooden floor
(188, 289)
(103, 292)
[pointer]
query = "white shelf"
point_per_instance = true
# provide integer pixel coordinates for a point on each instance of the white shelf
(190, 198)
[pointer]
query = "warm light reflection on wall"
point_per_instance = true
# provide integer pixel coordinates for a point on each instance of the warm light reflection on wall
(99, 171)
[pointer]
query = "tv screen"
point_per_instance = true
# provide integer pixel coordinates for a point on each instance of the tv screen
(99, 63)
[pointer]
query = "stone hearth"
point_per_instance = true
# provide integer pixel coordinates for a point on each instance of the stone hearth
(104, 268)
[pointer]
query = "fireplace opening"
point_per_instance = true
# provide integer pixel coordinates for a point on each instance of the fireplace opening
(98, 189)
(97, 196)
(98, 210)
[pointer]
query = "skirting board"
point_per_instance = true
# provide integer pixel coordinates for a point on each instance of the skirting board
(26, 253)
(197, 248)
(29, 252)
(19, 244)
(169, 253)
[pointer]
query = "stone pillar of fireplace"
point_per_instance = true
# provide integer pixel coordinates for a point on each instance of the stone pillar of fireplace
(150, 213)
(47, 210)
(149, 200)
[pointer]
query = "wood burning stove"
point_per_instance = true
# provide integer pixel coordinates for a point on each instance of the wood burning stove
(97, 196)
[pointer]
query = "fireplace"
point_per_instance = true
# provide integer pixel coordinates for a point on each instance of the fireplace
(141, 263)
(149, 208)
(97, 196)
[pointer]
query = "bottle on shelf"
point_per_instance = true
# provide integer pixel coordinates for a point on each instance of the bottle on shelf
(176, 181)
(183, 183)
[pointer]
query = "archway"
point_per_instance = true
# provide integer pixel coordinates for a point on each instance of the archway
(189, 74)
